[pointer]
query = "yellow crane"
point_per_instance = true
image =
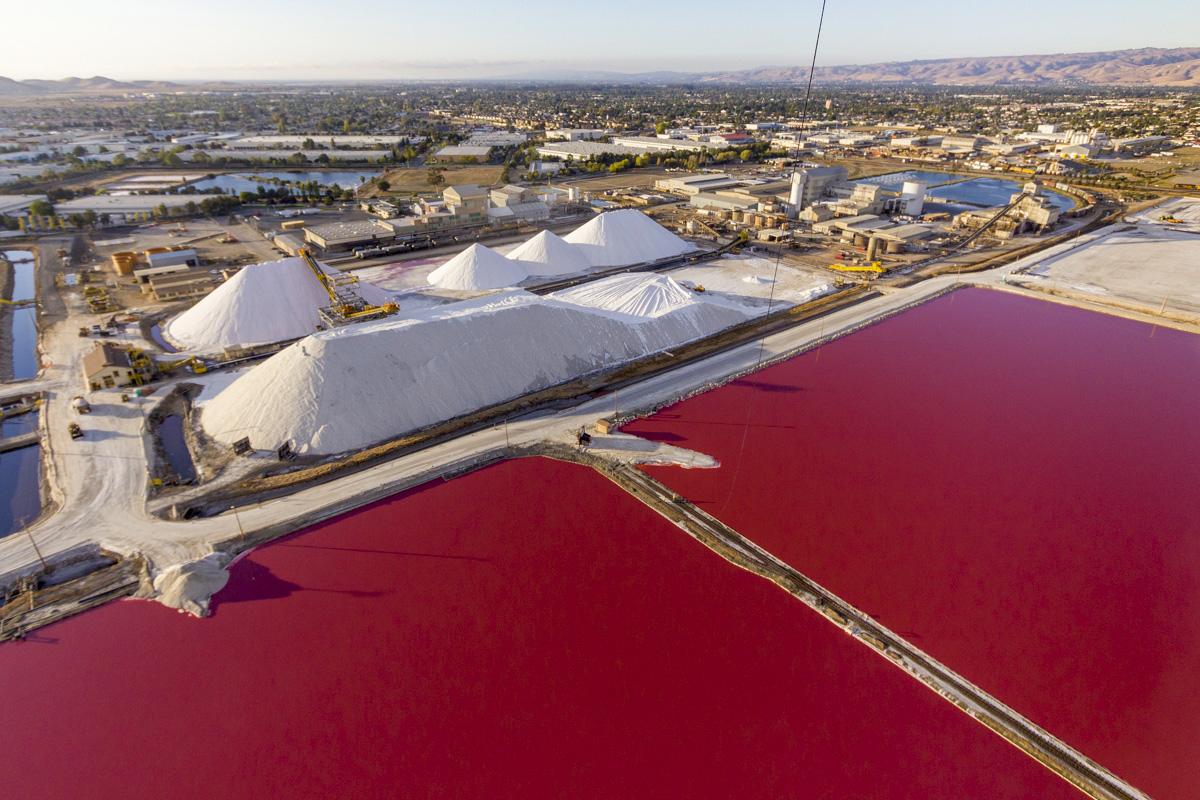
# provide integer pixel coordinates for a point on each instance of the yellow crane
(346, 302)
(198, 366)
(876, 267)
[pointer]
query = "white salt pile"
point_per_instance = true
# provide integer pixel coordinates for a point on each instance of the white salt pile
(352, 387)
(478, 268)
(637, 295)
(548, 254)
(263, 303)
(756, 279)
(620, 238)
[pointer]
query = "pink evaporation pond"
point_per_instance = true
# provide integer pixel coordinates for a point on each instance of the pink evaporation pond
(526, 631)
(1010, 484)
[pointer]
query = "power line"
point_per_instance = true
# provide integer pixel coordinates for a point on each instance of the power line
(762, 343)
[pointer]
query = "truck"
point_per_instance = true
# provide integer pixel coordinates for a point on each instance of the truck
(81, 405)
(75, 431)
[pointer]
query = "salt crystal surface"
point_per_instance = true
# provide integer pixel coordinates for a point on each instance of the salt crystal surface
(476, 268)
(637, 295)
(620, 238)
(549, 254)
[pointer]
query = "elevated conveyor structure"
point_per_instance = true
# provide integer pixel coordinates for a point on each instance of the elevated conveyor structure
(346, 302)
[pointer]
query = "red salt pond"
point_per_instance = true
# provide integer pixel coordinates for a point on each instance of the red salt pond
(1010, 484)
(526, 631)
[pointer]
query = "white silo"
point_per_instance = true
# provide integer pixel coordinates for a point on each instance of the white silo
(796, 198)
(913, 195)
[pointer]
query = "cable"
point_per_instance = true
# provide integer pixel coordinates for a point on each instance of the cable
(762, 343)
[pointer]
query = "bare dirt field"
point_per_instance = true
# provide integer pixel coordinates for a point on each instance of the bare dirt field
(415, 179)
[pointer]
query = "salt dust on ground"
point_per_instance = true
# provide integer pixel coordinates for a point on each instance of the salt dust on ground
(1184, 209)
(352, 387)
(263, 303)
(753, 281)
(1146, 265)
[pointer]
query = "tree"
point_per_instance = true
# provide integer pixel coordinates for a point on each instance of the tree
(309, 144)
(171, 160)
(661, 127)
(41, 208)
(80, 151)
(434, 176)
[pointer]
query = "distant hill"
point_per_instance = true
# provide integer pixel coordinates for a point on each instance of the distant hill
(94, 85)
(10, 87)
(1145, 67)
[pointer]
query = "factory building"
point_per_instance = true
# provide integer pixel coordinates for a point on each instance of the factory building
(816, 180)
(107, 366)
(1033, 211)
(576, 134)
(346, 235)
(695, 184)
(467, 202)
(456, 152)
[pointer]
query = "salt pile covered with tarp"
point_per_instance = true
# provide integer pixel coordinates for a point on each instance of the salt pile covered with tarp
(478, 268)
(548, 254)
(621, 238)
(269, 302)
(352, 387)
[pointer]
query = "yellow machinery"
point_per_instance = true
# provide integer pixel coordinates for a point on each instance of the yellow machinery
(876, 267)
(346, 302)
(197, 366)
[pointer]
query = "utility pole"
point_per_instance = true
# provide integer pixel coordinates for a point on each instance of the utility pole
(238, 520)
(35, 547)
(506, 442)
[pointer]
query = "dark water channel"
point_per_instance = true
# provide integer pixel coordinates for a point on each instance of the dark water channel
(175, 446)
(24, 326)
(20, 477)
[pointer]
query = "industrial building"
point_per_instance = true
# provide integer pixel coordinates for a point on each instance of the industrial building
(107, 366)
(17, 205)
(346, 235)
(695, 184)
(455, 152)
(1030, 210)
(467, 202)
(180, 285)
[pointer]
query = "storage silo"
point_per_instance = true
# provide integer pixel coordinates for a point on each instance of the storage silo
(913, 195)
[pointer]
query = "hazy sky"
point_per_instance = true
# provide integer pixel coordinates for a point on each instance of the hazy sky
(306, 39)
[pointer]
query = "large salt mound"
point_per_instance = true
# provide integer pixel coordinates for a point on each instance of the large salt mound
(352, 387)
(548, 254)
(476, 268)
(269, 302)
(638, 295)
(620, 238)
